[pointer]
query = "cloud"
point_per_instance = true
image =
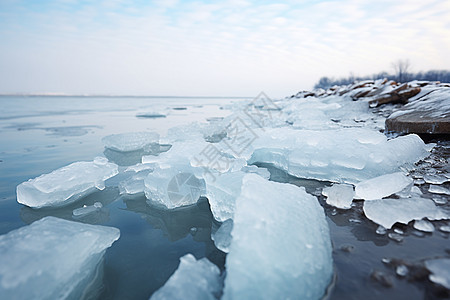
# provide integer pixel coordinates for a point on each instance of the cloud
(231, 47)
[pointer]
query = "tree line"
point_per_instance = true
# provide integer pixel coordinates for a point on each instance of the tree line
(401, 74)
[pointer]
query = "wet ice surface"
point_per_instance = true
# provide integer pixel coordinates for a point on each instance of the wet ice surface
(367, 265)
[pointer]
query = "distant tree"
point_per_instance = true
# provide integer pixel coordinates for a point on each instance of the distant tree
(401, 68)
(324, 83)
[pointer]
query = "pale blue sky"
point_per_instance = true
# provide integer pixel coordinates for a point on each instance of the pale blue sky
(220, 48)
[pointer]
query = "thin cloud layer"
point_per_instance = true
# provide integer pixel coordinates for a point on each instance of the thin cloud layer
(231, 47)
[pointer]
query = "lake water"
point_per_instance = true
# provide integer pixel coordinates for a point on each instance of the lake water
(41, 134)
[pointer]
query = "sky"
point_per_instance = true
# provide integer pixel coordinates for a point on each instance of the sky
(212, 48)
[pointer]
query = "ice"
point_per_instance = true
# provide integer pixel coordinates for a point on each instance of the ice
(339, 195)
(194, 279)
(335, 155)
(135, 184)
(174, 186)
(263, 172)
(423, 225)
(382, 186)
(440, 271)
(53, 259)
(222, 237)
(67, 184)
(133, 141)
(386, 212)
(402, 270)
(436, 189)
(445, 228)
(222, 192)
(281, 245)
(87, 209)
(435, 179)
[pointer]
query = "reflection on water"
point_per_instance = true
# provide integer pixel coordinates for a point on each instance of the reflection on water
(108, 195)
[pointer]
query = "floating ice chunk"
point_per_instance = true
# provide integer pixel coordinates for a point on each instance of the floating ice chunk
(140, 167)
(402, 270)
(339, 195)
(194, 279)
(222, 192)
(53, 259)
(281, 245)
(386, 212)
(86, 210)
(174, 186)
(436, 189)
(133, 141)
(334, 155)
(135, 184)
(435, 179)
(67, 184)
(440, 271)
(222, 237)
(423, 225)
(445, 228)
(263, 172)
(382, 186)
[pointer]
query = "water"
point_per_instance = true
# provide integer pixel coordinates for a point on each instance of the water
(41, 134)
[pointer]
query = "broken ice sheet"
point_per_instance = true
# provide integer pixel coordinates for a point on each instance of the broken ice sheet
(382, 186)
(222, 237)
(133, 141)
(339, 195)
(194, 279)
(440, 271)
(386, 212)
(67, 184)
(281, 246)
(436, 189)
(87, 209)
(53, 259)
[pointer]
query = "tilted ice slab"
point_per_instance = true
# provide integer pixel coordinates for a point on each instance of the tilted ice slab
(386, 212)
(194, 279)
(53, 259)
(174, 186)
(346, 155)
(382, 186)
(339, 195)
(222, 237)
(67, 184)
(281, 245)
(133, 141)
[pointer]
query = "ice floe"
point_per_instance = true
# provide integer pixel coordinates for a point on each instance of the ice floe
(133, 141)
(281, 246)
(440, 271)
(67, 184)
(387, 212)
(53, 259)
(194, 279)
(382, 186)
(339, 195)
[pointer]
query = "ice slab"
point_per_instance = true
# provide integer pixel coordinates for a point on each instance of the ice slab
(67, 184)
(174, 186)
(194, 279)
(345, 156)
(281, 245)
(133, 141)
(222, 237)
(382, 186)
(87, 209)
(423, 225)
(386, 212)
(440, 271)
(339, 195)
(52, 259)
(436, 189)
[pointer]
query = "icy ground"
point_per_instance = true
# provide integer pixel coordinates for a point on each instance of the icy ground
(276, 235)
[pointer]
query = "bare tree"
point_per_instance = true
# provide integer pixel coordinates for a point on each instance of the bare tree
(401, 68)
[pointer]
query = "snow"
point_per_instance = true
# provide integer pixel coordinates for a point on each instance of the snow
(382, 186)
(423, 225)
(194, 279)
(133, 141)
(281, 246)
(53, 259)
(386, 212)
(440, 271)
(67, 184)
(339, 195)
